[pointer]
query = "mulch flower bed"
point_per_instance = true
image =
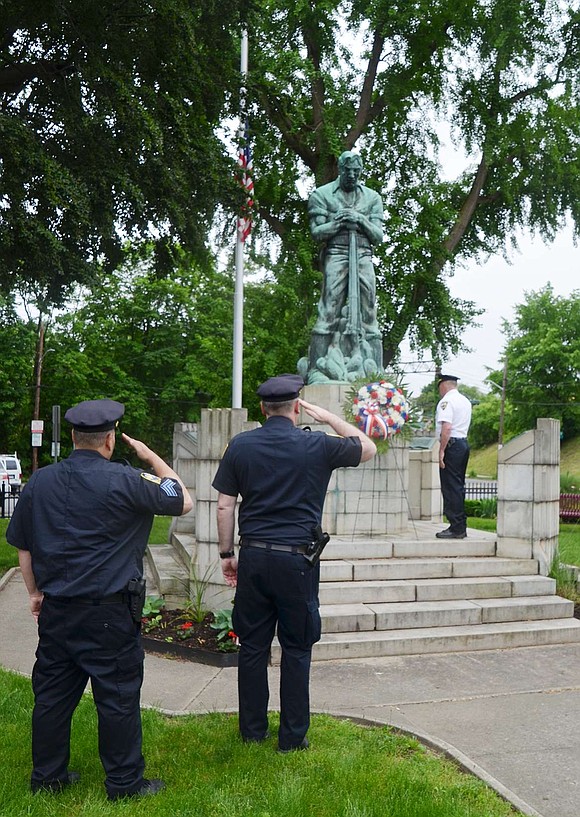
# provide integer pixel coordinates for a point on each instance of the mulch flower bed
(173, 632)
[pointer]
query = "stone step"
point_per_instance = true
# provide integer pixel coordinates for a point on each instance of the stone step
(471, 546)
(373, 592)
(421, 640)
(344, 618)
(169, 574)
(184, 545)
(428, 568)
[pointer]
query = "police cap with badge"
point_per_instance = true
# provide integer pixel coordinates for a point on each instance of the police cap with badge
(280, 389)
(444, 378)
(93, 416)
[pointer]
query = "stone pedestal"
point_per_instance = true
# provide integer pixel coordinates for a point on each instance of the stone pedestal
(371, 500)
(528, 489)
(425, 500)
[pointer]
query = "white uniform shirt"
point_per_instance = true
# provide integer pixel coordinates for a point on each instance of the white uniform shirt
(454, 408)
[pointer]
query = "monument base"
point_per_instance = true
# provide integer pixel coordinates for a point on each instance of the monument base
(371, 500)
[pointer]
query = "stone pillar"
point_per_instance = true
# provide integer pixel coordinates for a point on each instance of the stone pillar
(425, 500)
(528, 491)
(184, 463)
(215, 430)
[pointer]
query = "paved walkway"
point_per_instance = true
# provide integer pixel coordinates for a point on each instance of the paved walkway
(510, 716)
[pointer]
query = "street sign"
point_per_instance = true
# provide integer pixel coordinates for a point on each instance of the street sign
(36, 439)
(37, 426)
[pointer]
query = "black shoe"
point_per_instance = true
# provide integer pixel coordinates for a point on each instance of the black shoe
(300, 748)
(256, 740)
(148, 789)
(55, 786)
(449, 534)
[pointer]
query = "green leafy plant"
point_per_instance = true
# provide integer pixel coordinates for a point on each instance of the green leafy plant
(222, 622)
(487, 508)
(153, 605)
(195, 607)
(151, 622)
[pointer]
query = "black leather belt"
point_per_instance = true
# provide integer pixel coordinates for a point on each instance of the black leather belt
(114, 598)
(251, 543)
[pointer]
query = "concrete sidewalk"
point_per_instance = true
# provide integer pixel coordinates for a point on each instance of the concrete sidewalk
(510, 716)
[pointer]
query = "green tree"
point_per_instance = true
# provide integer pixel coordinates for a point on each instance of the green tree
(108, 128)
(425, 403)
(388, 78)
(156, 344)
(17, 342)
(543, 361)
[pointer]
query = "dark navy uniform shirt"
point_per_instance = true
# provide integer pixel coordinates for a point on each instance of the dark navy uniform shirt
(282, 474)
(86, 523)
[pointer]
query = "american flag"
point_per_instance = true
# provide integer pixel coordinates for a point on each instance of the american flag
(246, 181)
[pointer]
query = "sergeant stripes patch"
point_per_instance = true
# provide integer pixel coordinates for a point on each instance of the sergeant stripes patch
(168, 486)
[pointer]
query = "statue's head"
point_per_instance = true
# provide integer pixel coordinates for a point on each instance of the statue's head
(349, 169)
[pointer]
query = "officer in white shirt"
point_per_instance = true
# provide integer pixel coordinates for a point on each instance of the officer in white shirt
(453, 417)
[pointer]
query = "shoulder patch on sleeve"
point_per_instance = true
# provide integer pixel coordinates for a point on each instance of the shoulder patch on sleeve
(168, 486)
(444, 405)
(151, 477)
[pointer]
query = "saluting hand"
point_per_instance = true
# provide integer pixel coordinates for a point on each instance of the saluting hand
(316, 412)
(143, 451)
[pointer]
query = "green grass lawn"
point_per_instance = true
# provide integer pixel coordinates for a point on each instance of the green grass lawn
(350, 771)
(569, 539)
(483, 461)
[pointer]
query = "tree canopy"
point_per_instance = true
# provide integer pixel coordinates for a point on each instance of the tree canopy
(499, 78)
(108, 117)
(543, 361)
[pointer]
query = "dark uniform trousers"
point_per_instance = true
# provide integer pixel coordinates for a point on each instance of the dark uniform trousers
(453, 483)
(78, 642)
(275, 586)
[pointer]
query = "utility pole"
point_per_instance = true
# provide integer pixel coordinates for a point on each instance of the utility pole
(37, 384)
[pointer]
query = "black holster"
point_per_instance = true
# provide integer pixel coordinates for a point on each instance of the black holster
(315, 548)
(137, 591)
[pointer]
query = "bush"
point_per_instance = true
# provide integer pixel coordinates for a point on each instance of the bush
(481, 508)
(569, 483)
(487, 508)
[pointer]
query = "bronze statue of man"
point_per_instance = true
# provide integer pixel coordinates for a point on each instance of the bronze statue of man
(346, 218)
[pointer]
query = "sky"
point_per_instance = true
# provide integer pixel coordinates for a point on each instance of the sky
(497, 286)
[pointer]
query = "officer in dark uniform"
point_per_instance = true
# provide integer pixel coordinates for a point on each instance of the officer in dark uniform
(282, 474)
(81, 528)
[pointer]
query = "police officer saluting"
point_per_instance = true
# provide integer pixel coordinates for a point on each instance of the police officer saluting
(282, 474)
(81, 528)
(452, 417)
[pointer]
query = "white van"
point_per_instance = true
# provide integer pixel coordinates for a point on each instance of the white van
(11, 464)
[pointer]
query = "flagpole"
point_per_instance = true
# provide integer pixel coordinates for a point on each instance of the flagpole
(239, 282)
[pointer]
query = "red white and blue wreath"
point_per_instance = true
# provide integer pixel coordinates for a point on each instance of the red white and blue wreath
(380, 409)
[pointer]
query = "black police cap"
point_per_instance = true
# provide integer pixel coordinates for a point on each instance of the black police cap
(95, 415)
(280, 389)
(444, 377)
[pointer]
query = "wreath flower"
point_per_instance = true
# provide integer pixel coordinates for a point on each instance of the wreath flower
(380, 409)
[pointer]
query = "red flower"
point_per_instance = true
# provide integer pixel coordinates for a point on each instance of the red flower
(231, 634)
(186, 625)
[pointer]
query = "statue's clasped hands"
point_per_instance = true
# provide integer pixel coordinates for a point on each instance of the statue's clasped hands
(347, 218)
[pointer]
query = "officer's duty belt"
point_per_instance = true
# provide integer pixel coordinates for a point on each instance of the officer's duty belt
(251, 543)
(114, 598)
